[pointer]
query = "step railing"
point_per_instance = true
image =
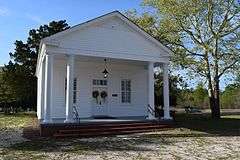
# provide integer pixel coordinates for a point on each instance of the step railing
(150, 110)
(153, 112)
(76, 115)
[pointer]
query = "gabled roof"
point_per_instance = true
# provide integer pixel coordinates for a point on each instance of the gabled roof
(100, 18)
(52, 39)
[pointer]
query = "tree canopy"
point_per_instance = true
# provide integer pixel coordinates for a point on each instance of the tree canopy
(18, 76)
(203, 34)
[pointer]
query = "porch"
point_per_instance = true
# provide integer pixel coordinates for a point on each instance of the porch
(103, 127)
(68, 82)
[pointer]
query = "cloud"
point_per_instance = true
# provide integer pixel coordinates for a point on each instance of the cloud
(4, 11)
(35, 18)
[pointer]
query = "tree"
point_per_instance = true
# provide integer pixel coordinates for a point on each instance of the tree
(175, 83)
(230, 96)
(203, 34)
(19, 73)
(199, 95)
(237, 80)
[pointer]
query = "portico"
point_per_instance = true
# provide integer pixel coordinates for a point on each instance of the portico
(70, 74)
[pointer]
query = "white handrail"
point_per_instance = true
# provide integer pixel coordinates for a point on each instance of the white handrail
(150, 110)
(75, 112)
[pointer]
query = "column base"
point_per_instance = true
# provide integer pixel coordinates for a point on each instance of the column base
(151, 118)
(46, 121)
(69, 121)
(166, 118)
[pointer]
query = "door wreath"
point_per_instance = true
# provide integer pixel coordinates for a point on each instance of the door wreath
(95, 95)
(103, 95)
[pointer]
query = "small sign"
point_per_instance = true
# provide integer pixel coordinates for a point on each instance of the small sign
(114, 95)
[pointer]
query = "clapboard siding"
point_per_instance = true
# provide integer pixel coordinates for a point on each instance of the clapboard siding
(85, 72)
(103, 38)
(115, 23)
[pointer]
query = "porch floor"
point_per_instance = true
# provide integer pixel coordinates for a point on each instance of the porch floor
(112, 120)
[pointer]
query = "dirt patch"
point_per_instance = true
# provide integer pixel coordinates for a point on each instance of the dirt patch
(154, 145)
(196, 138)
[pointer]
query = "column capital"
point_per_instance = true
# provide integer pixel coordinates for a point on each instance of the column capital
(165, 65)
(151, 62)
(70, 55)
(165, 69)
(49, 53)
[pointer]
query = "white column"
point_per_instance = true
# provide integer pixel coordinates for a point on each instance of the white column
(166, 92)
(48, 88)
(69, 89)
(151, 89)
(42, 88)
(39, 92)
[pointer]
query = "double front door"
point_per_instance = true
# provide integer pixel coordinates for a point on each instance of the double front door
(100, 101)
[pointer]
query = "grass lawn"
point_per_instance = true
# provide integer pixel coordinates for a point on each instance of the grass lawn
(195, 137)
(231, 117)
(228, 125)
(15, 121)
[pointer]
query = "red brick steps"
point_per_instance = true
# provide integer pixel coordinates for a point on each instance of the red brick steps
(92, 130)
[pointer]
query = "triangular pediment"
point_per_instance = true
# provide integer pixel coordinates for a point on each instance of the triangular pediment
(112, 33)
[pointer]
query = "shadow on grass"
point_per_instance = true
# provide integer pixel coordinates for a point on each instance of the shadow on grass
(100, 144)
(20, 115)
(200, 125)
(226, 126)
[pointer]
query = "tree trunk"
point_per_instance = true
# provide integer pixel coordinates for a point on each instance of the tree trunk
(215, 100)
(215, 108)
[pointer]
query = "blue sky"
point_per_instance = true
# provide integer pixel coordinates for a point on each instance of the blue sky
(17, 17)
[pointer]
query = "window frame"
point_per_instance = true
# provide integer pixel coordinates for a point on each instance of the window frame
(128, 100)
(100, 82)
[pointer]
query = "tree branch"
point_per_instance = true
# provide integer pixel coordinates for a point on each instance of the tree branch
(228, 67)
(226, 19)
(188, 32)
(197, 71)
(192, 53)
(230, 31)
(197, 29)
(210, 16)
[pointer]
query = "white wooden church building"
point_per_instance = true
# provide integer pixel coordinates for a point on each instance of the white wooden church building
(101, 68)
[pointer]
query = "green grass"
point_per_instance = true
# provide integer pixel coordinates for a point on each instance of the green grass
(231, 117)
(228, 125)
(187, 125)
(15, 121)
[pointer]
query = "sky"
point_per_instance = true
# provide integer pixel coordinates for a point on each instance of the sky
(17, 17)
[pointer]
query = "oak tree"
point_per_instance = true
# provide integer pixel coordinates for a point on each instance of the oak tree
(203, 34)
(19, 74)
